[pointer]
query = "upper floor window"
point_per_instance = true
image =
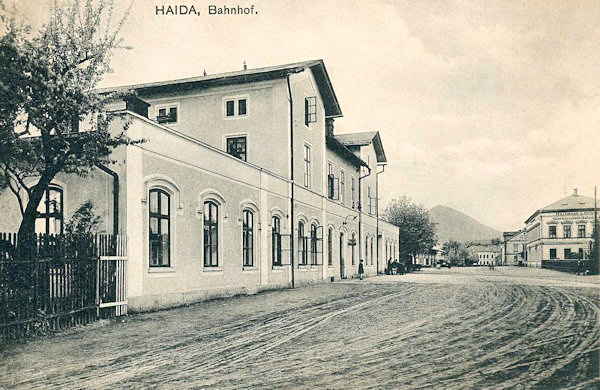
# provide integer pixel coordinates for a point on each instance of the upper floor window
(302, 245)
(310, 110)
(581, 231)
(353, 192)
(307, 173)
(330, 247)
(248, 238)
(50, 212)
(236, 107)
(160, 228)
(236, 146)
(211, 234)
(167, 114)
(567, 231)
(342, 186)
(276, 241)
(552, 231)
(330, 188)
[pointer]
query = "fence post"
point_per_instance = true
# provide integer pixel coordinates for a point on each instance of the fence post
(97, 286)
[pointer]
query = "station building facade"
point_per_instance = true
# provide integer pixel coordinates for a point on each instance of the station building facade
(242, 184)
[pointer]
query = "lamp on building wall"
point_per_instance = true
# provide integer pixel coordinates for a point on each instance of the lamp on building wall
(352, 217)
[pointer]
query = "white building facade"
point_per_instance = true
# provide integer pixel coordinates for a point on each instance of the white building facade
(241, 185)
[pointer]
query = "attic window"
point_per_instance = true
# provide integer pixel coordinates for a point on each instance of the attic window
(310, 109)
(167, 114)
(236, 107)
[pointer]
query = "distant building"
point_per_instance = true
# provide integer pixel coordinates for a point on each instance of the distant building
(432, 256)
(487, 254)
(513, 248)
(559, 231)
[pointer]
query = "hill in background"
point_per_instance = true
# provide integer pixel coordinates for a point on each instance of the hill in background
(458, 226)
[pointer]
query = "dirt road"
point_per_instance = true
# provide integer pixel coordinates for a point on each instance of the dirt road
(459, 328)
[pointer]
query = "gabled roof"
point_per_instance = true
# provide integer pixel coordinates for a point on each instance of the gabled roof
(363, 139)
(572, 202)
(332, 107)
(337, 146)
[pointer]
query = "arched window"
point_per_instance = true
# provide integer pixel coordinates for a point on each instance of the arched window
(276, 241)
(330, 247)
(353, 251)
(160, 228)
(341, 249)
(313, 244)
(302, 245)
(248, 238)
(211, 234)
(50, 212)
(371, 250)
(366, 250)
(386, 251)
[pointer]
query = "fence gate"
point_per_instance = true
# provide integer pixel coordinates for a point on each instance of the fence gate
(111, 292)
(61, 281)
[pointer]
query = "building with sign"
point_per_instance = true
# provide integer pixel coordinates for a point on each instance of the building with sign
(560, 231)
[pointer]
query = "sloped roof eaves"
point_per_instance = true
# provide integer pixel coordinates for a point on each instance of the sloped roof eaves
(346, 153)
(332, 107)
(356, 139)
(363, 139)
(379, 149)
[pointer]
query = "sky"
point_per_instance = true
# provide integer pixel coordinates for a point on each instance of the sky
(491, 108)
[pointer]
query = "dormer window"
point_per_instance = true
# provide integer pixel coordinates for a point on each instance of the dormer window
(236, 107)
(167, 114)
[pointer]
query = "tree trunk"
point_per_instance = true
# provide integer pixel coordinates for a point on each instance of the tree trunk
(26, 235)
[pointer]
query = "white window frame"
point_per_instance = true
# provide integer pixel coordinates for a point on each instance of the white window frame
(210, 194)
(236, 107)
(307, 168)
(165, 183)
(167, 106)
(342, 186)
(236, 135)
(353, 194)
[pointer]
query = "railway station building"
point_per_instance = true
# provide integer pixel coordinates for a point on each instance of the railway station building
(243, 184)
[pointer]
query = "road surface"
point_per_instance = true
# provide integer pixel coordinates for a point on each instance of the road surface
(459, 328)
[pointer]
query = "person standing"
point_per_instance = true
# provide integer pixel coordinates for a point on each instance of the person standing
(361, 269)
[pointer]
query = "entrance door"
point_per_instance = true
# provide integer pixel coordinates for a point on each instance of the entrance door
(342, 256)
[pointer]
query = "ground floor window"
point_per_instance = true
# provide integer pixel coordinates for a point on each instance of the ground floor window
(211, 234)
(302, 245)
(248, 238)
(276, 241)
(160, 228)
(330, 247)
(50, 212)
(313, 245)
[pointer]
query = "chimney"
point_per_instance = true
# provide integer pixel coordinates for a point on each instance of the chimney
(137, 105)
(245, 66)
(329, 127)
(574, 191)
